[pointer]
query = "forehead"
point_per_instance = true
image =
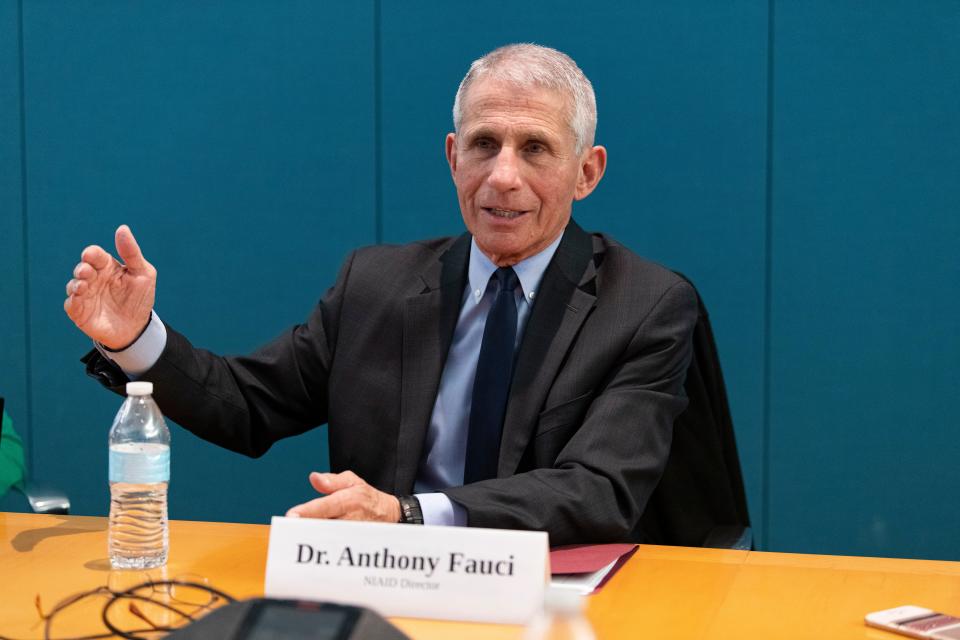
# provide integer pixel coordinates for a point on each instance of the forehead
(492, 102)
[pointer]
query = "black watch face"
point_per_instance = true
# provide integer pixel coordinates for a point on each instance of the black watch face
(409, 510)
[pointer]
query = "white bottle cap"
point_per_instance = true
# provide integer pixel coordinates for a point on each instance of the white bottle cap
(563, 600)
(139, 388)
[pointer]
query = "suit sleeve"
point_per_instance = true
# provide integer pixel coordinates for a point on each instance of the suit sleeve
(244, 403)
(599, 484)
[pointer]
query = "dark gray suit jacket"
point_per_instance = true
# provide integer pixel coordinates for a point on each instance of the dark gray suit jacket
(597, 384)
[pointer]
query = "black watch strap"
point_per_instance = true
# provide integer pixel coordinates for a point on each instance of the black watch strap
(410, 512)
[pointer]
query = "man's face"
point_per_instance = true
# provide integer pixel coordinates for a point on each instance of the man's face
(516, 169)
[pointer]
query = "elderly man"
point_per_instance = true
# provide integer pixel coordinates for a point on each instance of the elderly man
(523, 375)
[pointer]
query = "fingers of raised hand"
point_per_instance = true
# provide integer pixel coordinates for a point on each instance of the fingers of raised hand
(72, 306)
(77, 287)
(84, 271)
(96, 257)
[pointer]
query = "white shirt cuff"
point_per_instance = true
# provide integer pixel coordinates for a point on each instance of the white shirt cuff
(440, 510)
(140, 356)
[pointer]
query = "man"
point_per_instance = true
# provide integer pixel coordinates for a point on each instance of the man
(524, 375)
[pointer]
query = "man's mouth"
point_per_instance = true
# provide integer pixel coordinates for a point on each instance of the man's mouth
(506, 214)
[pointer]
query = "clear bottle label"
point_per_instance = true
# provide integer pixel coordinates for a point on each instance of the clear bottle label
(139, 463)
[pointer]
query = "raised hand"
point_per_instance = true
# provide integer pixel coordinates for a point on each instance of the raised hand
(109, 301)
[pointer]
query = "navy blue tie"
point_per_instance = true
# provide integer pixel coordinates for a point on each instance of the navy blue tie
(491, 387)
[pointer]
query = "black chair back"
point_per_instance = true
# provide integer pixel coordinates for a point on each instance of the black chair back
(700, 500)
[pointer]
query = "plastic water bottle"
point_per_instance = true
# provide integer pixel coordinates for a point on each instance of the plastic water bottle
(139, 473)
(562, 618)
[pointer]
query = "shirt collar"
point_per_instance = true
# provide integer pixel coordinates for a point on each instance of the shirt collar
(529, 271)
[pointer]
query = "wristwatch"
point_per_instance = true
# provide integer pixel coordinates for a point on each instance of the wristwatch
(410, 512)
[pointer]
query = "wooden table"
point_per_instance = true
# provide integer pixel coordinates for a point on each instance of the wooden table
(662, 592)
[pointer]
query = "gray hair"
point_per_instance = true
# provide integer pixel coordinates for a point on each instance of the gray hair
(532, 65)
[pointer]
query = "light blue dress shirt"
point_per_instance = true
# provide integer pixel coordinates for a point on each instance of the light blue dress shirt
(445, 447)
(446, 444)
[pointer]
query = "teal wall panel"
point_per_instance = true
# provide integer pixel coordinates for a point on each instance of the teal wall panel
(865, 339)
(13, 353)
(681, 92)
(236, 139)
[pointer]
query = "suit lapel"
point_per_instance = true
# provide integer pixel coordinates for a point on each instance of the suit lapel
(563, 303)
(429, 319)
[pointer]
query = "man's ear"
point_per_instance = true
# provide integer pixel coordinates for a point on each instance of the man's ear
(451, 148)
(592, 166)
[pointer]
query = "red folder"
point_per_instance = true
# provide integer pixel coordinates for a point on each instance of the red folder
(581, 563)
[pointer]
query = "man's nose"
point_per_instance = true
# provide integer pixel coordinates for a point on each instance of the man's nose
(505, 174)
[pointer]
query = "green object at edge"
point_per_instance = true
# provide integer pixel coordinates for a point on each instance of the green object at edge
(12, 465)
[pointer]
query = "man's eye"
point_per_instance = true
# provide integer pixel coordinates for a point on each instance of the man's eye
(484, 143)
(535, 147)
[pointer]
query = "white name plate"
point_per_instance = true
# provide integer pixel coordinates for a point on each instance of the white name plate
(449, 573)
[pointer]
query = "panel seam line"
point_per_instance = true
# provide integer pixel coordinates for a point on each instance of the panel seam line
(768, 282)
(27, 313)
